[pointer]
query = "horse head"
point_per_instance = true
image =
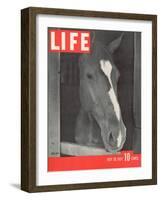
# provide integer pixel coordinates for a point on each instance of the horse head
(98, 93)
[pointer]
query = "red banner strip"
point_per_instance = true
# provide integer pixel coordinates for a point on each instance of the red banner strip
(69, 41)
(124, 159)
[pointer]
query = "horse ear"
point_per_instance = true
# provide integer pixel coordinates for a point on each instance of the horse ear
(115, 43)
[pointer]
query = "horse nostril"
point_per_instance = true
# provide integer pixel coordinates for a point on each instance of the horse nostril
(112, 140)
(110, 136)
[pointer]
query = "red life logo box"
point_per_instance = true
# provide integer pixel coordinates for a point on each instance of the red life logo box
(71, 41)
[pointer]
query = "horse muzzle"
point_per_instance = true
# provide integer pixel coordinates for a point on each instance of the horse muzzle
(114, 140)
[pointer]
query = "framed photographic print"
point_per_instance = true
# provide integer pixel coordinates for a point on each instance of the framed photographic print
(88, 99)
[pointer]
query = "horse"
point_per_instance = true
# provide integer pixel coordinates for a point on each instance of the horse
(99, 121)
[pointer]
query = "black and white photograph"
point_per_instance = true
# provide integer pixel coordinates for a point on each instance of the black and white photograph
(97, 95)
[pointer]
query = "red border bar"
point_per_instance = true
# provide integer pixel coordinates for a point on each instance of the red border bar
(125, 159)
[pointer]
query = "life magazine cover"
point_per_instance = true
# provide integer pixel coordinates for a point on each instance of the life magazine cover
(94, 99)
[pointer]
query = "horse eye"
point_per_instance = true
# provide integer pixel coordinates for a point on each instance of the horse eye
(89, 76)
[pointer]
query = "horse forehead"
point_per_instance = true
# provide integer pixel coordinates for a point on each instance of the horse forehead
(106, 67)
(98, 53)
(88, 63)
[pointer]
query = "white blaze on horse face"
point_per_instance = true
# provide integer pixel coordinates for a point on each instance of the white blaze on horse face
(107, 69)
